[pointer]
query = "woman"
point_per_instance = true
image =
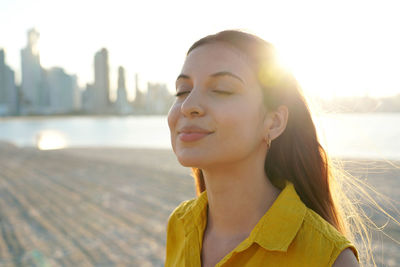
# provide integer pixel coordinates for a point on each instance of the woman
(262, 178)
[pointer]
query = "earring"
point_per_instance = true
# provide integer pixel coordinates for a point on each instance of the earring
(268, 140)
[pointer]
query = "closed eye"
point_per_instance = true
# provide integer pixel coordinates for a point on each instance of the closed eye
(181, 93)
(217, 91)
(222, 92)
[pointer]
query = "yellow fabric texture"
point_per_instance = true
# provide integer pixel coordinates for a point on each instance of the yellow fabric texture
(288, 234)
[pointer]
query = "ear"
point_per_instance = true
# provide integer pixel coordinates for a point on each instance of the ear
(277, 121)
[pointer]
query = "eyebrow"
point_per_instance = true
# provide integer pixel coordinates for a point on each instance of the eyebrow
(217, 74)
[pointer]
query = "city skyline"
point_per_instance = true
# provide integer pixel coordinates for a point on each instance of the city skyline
(52, 91)
(346, 48)
(43, 91)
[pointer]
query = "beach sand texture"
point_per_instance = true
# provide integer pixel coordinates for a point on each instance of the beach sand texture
(110, 206)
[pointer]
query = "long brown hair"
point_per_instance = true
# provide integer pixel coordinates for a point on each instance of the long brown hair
(296, 155)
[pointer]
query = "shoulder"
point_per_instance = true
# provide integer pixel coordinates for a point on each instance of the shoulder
(181, 209)
(189, 208)
(314, 222)
(175, 216)
(176, 234)
(346, 259)
(325, 238)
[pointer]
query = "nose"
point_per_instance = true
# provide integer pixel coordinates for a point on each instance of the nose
(192, 105)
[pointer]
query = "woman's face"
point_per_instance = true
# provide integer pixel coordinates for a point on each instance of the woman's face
(218, 92)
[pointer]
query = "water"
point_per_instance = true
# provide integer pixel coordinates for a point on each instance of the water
(352, 135)
(373, 135)
(133, 131)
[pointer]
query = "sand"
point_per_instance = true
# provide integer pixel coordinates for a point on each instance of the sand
(110, 206)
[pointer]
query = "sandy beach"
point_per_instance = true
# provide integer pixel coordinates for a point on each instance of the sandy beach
(109, 206)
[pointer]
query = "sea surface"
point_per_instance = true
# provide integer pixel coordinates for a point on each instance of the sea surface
(351, 135)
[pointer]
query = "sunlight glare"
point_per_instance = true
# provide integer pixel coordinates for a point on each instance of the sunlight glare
(50, 139)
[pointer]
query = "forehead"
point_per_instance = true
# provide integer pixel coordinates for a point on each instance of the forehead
(215, 57)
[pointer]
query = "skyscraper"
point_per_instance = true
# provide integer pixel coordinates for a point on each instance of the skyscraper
(138, 103)
(63, 89)
(158, 99)
(122, 104)
(101, 80)
(8, 89)
(34, 94)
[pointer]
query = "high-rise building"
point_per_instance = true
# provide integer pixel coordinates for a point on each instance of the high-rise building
(101, 81)
(122, 104)
(88, 98)
(3, 92)
(34, 94)
(8, 89)
(158, 99)
(63, 89)
(138, 103)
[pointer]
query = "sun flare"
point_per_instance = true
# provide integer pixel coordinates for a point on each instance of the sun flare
(50, 139)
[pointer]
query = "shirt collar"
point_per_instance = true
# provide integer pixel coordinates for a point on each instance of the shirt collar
(274, 231)
(280, 224)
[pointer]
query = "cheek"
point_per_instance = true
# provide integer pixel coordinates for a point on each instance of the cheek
(239, 125)
(173, 116)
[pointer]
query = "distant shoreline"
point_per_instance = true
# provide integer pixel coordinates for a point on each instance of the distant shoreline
(57, 116)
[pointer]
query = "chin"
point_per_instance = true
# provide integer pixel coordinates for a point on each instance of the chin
(185, 162)
(190, 159)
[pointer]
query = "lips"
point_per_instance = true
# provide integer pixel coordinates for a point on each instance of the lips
(191, 137)
(192, 133)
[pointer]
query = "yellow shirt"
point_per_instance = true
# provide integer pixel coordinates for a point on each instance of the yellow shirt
(288, 234)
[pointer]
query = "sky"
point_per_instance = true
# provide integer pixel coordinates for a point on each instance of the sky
(334, 48)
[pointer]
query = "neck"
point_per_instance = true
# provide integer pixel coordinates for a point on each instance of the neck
(238, 196)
